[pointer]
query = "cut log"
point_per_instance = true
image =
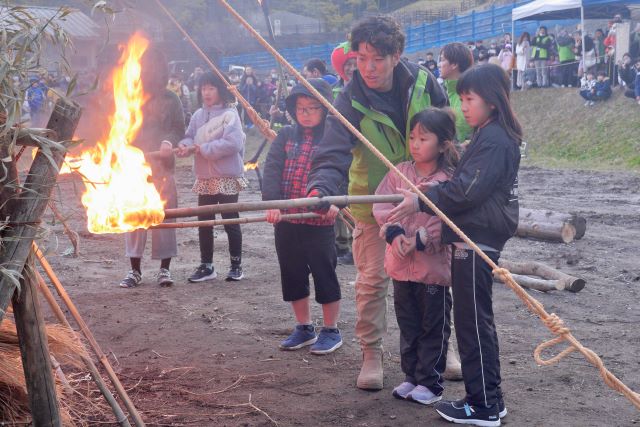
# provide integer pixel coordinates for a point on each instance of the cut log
(26, 208)
(550, 231)
(547, 216)
(534, 283)
(562, 280)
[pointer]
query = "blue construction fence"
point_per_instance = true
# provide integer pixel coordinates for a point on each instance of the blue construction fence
(485, 24)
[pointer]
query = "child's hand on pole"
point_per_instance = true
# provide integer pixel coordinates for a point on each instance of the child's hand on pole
(183, 150)
(332, 213)
(407, 207)
(273, 216)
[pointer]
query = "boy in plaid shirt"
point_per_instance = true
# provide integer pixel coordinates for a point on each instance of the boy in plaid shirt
(303, 246)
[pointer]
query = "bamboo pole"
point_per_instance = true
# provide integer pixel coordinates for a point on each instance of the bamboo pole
(93, 369)
(305, 202)
(231, 221)
(84, 328)
(261, 123)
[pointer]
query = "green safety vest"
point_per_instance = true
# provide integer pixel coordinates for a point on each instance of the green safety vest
(542, 52)
(366, 171)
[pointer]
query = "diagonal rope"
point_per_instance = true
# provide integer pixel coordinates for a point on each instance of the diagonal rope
(551, 321)
(261, 123)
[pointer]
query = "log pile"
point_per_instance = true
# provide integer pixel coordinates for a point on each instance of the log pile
(551, 226)
(541, 277)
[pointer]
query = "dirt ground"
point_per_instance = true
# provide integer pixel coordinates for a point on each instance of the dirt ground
(203, 354)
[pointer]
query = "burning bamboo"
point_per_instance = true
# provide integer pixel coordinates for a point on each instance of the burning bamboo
(305, 202)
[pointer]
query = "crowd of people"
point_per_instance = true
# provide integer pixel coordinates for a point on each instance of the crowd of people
(454, 136)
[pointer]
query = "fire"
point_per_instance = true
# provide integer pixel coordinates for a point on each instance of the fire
(119, 194)
(249, 166)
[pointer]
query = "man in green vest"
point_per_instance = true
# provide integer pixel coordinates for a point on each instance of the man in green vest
(380, 100)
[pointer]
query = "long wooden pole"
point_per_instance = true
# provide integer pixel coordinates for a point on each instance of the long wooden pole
(231, 221)
(261, 123)
(305, 202)
(84, 328)
(93, 369)
(551, 321)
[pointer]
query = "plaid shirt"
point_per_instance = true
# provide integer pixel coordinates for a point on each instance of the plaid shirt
(295, 172)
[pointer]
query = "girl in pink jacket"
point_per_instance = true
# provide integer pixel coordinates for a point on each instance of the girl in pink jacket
(418, 262)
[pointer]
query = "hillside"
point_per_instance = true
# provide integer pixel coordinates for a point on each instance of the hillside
(561, 132)
(430, 4)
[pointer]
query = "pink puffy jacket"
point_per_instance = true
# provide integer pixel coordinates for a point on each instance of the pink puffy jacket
(431, 266)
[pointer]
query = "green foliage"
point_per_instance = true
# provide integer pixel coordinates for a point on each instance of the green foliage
(338, 15)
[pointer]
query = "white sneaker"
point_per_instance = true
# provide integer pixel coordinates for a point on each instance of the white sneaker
(164, 278)
(401, 391)
(423, 395)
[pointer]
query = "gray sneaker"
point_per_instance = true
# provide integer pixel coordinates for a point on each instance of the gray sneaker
(132, 280)
(164, 278)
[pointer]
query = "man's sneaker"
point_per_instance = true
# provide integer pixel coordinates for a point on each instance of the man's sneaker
(303, 335)
(346, 259)
(423, 395)
(203, 273)
(235, 274)
(501, 406)
(164, 278)
(464, 413)
(403, 390)
(132, 280)
(329, 340)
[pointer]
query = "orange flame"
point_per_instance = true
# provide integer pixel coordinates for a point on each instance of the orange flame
(120, 196)
(249, 166)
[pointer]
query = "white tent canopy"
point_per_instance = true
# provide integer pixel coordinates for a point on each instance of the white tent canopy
(539, 7)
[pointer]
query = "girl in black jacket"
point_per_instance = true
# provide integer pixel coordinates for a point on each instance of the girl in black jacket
(481, 198)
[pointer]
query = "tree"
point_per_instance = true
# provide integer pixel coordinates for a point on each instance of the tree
(338, 15)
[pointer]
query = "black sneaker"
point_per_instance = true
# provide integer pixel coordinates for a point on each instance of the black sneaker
(132, 280)
(203, 273)
(501, 406)
(460, 412)
(235, 274)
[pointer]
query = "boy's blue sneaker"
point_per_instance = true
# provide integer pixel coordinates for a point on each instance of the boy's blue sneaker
(464, 413)
(302, 336)
(329, 340)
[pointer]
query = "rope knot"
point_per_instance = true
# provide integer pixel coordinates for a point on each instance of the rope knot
(556, 325)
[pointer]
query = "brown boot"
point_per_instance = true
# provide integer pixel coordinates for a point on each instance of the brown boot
(371, 374)
(453, 371)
